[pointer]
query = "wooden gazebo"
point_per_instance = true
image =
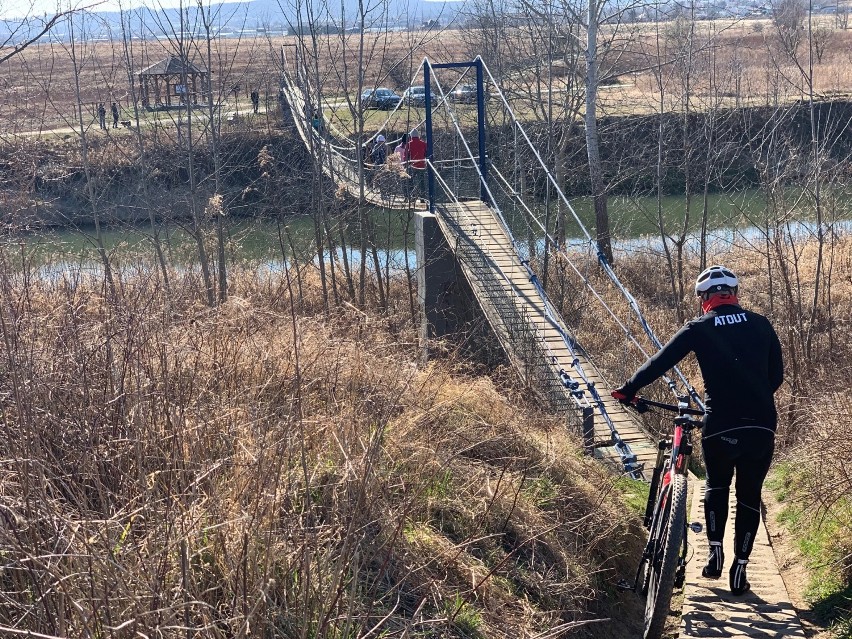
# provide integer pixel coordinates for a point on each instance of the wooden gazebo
(172, 82)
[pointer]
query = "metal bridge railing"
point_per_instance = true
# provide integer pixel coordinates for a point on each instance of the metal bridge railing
(553, 371)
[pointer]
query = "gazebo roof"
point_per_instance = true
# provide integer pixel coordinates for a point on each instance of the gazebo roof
(172, 66)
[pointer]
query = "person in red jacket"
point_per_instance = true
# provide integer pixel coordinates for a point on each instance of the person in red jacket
(417, 164)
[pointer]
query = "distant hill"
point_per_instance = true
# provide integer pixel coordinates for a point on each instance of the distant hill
(231, 19)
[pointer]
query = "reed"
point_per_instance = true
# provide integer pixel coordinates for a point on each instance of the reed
(265, 469)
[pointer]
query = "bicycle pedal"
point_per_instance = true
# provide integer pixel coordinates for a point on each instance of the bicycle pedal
(680, 575)
(696, 527)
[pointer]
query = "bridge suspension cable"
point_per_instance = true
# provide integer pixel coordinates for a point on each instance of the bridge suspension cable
(605, 265)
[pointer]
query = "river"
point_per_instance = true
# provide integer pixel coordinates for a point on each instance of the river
(733, 218)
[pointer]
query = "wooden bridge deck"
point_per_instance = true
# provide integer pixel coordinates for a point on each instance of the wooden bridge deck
(337, 167)
(479, 223)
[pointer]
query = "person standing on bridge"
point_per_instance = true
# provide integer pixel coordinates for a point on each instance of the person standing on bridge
(417, 158)
(740, 358)
(402, 149)
(379, 152)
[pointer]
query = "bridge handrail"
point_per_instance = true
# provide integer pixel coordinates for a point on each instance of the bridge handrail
(624, 451)
(627, 332)
(621, 446)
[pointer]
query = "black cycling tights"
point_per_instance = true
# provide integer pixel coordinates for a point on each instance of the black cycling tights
(749, 452)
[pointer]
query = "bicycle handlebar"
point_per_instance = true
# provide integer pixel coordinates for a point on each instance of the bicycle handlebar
(640, 403)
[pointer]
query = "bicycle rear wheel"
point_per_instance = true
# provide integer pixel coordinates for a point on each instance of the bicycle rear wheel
(671, 527)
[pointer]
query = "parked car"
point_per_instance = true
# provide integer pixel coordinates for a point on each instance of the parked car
(380, 98)
(415, 96)
(466, 94)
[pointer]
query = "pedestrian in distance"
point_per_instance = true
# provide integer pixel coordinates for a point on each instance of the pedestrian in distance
(114, 109)
(255, 100)
(417, 162)
(317, 122)
(740, 358)
(417, 151)
(379, 154)
(402, 149)
(102, 116)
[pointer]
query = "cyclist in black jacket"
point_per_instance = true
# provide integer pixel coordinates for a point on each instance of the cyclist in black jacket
(740, 359)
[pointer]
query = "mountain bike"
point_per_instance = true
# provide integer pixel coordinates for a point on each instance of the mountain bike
(663, 563)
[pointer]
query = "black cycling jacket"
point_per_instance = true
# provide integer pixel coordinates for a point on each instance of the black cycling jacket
(740, 359)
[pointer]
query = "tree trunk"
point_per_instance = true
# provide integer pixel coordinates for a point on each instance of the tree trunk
(592, 141)
(143, 164)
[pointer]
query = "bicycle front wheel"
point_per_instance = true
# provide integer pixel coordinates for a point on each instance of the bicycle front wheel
(662, 567)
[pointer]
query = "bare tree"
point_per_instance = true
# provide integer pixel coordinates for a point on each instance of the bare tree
(18, 34)
(841, 14)
(584, 45)
(129, 63)
(821, 38)
(788, 16)
(76, 42)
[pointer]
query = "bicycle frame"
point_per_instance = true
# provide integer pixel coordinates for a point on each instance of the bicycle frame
(681, 449)
(666, 467)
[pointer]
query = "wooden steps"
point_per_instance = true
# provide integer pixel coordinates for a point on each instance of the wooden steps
(709, 608)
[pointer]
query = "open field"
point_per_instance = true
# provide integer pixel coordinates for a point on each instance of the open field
(744, 63)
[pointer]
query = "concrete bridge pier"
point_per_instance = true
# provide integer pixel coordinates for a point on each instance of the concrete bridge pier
(436, 278)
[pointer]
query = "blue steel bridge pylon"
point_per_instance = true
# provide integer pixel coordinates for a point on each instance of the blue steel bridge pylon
(428, 67)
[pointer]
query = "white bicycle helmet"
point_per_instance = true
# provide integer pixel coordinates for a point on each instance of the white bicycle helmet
(715, 278)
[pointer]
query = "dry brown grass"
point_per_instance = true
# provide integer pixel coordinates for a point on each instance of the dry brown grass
(171, 466)
(173, 470)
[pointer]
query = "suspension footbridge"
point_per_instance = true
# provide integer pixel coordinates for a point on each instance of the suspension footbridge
(482, 202)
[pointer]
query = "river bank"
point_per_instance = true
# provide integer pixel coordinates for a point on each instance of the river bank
(266, 174)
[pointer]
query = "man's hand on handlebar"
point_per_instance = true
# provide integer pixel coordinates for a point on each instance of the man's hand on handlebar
(643, 405)
(621, 395)
(630, 399)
